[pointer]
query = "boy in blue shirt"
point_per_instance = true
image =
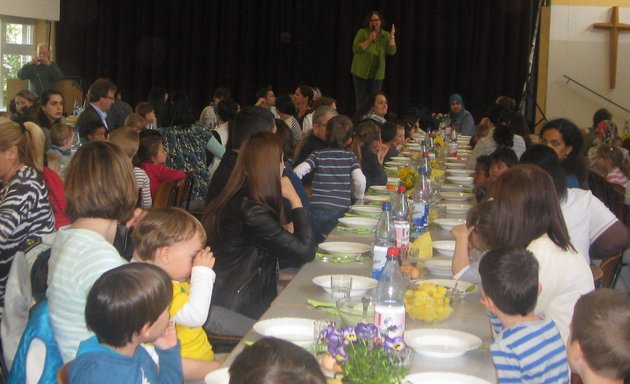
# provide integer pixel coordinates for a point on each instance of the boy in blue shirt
(128, 306)
(526, 349)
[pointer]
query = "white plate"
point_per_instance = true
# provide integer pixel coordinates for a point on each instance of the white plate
(455, 165)
(445, 247)
(392, 167)
(459, 172)
(220, 376)
(393, 181)
(463, 287)
(458, 209)
(296, 330)
(381, 198)
(366, 210)
(455, 159)
(448, 224)
(439, 267)
(463, 180)
(359, 222)
(443, 378)
(380, 189)
(401, 159)
(360, 284)
(343, 248)
(466, 147)
(418, 135)
(456, 196)
(454, 187)
(441, 343)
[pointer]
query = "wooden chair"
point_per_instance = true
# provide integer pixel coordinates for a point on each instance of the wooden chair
(610, 267)
(166, 195)
(62, 374)
(612, 195)
(184, 191)
(598, 274)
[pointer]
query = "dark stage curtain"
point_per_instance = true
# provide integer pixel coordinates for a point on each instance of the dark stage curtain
(476, 48)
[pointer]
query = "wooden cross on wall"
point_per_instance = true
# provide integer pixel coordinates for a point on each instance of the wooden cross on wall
(614, 26)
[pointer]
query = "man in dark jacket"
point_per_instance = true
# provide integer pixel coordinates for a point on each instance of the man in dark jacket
(101, 96)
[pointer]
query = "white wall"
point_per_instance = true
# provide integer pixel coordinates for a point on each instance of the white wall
(579, 51)
(31, 9)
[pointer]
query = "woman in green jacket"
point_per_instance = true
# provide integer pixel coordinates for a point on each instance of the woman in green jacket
(370, 46)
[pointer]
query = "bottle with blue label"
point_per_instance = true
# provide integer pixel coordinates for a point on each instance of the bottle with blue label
(384, 238)
(420, 215)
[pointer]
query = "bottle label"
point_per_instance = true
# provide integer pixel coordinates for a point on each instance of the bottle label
(390, 320)
(452, 151)
(378, 261)
(420, 216)
(402, 232)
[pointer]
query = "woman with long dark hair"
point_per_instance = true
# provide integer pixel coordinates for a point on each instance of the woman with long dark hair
(565, 139)
(526, 214)
(245, 229)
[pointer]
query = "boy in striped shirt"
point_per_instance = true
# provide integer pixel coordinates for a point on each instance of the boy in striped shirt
(528, 349)
(599, 342)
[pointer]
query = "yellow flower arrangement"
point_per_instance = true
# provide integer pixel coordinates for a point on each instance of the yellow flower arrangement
(408, 177)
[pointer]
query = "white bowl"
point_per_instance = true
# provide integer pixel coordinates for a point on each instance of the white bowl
(401, 159)
(395, 181)
(454, 188)
(463, 180)
(381, 198)
(359, 222)
(441, 343)
(380, 189)
(449, 224)
(366, 210)
(360, 284)
(459, 171)
(296, 330)
(445, 247)
(443, 378)
(439, 266)
(455, 159)
(458, 209)
(457, 196)
(344, 248)
(220, 376)
(450, 165)
(465, 147)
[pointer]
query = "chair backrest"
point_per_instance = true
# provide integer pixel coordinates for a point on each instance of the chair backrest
(610, 267)
(184, 191)
(598, 274)
(166, 195)
(612, 195)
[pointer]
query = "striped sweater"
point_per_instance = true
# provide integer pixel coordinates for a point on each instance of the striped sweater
(24, 212)
(531, 352)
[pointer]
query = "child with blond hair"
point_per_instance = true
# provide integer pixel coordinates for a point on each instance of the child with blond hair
(174, 240)
(128, 140)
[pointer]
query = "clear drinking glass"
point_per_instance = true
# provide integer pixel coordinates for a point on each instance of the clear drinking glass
(340, 286)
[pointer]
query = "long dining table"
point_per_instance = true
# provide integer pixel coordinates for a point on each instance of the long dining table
(468, 316)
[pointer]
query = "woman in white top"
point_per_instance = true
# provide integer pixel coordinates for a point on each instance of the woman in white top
(526, 214)
(500, 135)
(101, 192)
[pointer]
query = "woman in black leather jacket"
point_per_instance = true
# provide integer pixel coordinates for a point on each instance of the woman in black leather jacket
(245, 229)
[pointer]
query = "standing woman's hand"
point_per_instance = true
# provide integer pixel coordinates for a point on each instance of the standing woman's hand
(392, 35)
(288, 192)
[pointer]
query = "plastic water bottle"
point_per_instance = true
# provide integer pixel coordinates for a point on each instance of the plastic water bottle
(76, 109)
(420, 215)
(452, 144)
(389, 312)
(384, 238)
(400, 216)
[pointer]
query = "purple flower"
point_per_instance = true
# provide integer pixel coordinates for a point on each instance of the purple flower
(339, 353)
(332, 335)
(366, 331)
(349, 335)
(394, 344)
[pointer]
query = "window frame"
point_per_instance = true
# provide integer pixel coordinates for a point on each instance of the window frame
(6, 48)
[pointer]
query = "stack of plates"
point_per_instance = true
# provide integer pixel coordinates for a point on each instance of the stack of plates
(463, 180)
(366, 210)
(453, 164)
(441, 343)
(439, 267)
(344, 248)
(457, 209)
(456, 196)
(296, 330)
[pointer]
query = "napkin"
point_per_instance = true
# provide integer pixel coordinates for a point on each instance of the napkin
(424, 245)
(326, 307)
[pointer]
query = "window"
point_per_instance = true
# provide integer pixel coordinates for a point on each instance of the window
(17, 46)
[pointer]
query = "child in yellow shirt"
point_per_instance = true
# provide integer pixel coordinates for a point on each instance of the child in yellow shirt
(174, 240)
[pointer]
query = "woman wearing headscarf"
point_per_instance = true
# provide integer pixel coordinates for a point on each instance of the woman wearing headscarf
(461, 120)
